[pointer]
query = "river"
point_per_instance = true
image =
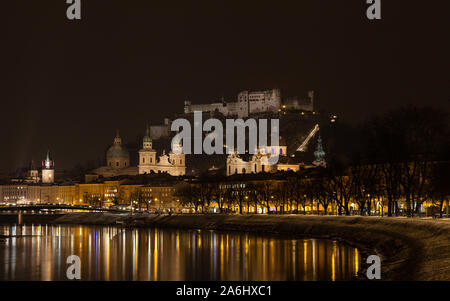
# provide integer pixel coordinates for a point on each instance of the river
(39, 252)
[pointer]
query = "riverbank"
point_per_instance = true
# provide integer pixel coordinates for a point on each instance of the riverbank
(410, 249)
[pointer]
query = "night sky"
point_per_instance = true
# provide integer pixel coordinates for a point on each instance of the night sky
(67, 85)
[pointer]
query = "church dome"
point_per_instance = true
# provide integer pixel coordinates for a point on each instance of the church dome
(117, 151)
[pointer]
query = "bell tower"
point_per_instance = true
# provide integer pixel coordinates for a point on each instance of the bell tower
(147, 155)
(48, 170)
(147, 142)
(177, 158)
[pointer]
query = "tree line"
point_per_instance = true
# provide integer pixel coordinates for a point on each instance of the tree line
(390, 165)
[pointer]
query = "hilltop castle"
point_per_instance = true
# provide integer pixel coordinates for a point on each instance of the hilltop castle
(254, 102)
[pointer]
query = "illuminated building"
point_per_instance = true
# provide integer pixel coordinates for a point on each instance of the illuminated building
(174, 164)
(254, 102)
(117, 157)
(118, 160)
(259, 161)
(48, 170)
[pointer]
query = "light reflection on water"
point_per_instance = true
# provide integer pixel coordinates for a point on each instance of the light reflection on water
(111, 253)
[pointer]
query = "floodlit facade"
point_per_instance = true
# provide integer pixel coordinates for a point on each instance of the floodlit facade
(173, 164)
(108, 193)
(254, 102)
(118, 160)
(259, 161)
(48, 170)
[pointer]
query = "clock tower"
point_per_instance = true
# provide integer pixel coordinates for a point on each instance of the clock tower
(48, 170)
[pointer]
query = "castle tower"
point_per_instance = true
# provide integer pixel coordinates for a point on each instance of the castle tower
(311, 98)
(147, 155)
(48, 170)
(187, 106)
(275, 98)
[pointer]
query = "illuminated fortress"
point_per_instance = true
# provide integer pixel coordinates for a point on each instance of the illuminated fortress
(253, 103)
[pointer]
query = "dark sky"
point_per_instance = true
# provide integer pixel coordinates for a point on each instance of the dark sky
(67, 85)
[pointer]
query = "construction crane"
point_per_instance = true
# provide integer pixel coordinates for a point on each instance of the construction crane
(303, 147)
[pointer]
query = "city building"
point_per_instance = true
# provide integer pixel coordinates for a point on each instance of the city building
(118, 160)
(173, 164)
(155, 196)
(259, 162)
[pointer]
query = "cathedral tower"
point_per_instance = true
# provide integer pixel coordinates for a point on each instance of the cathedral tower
(48, 170)
(147, 155)
(177, 158)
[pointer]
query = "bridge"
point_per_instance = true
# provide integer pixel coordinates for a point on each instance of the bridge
(38, 207)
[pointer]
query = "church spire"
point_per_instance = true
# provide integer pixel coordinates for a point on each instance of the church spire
(147, 130)
(319, 154)
(48, 169)
(117, 139)
(147, 140)
(48, 162)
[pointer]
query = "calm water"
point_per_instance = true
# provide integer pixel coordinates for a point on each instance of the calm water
(111, 253)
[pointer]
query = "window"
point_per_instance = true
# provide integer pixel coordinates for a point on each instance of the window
(181, 162)
(235, 171)
(243, 170)
(281, 151)
(255, 168)
(143, 160)
(117, 163)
